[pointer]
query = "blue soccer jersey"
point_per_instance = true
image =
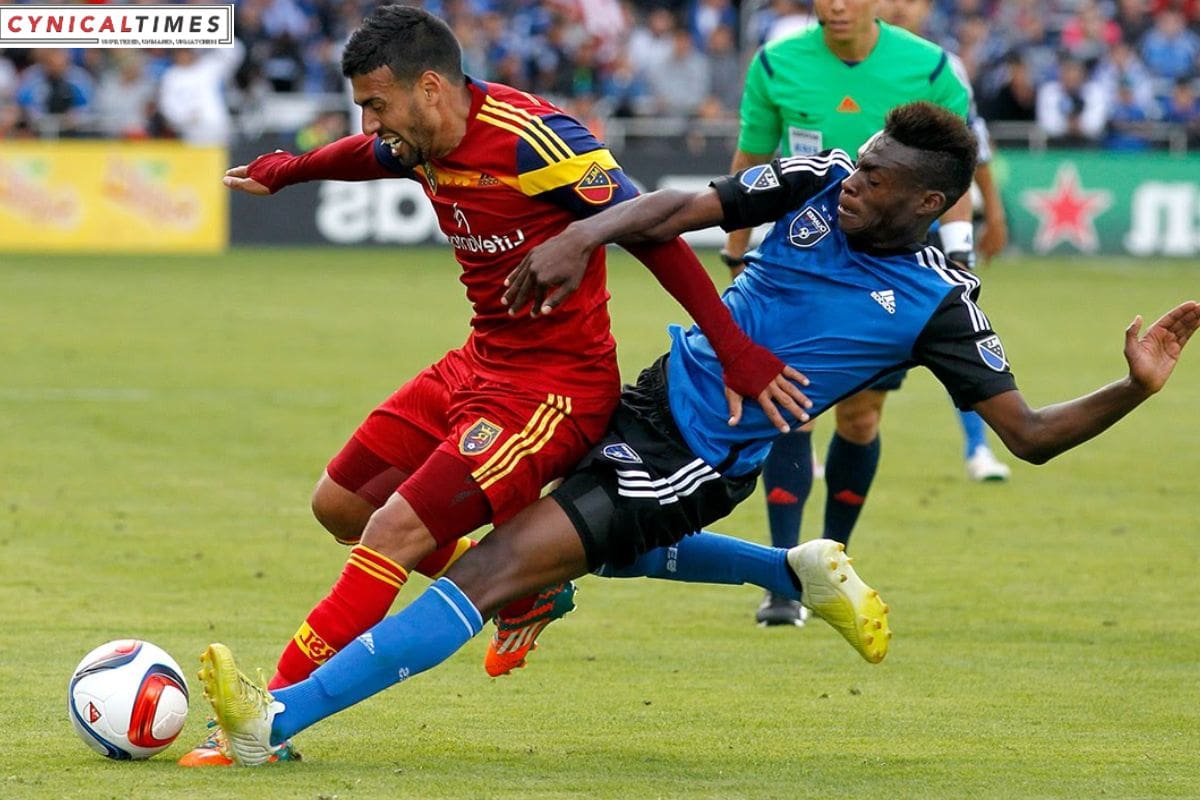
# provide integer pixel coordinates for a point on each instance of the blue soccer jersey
(842, 316)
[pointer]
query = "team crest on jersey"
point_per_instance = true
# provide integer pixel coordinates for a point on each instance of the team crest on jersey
(596, 186)
(621, 452)
(992, 353)
(760, 178)
(808, 228)
(479, 437)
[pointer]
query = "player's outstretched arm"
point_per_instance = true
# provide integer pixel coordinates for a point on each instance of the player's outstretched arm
(1037, 435)
(351, 158)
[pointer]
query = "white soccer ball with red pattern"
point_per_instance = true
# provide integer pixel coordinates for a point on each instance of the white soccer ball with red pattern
(127, 699)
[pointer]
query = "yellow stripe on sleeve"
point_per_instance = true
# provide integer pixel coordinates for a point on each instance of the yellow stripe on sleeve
(518, 131)
(535, 124)
(565, 173)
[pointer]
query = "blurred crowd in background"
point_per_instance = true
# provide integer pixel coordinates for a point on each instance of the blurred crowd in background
(1082, 72)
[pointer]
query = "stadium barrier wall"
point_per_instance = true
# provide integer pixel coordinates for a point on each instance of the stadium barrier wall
(96, 196)
(1060, 202)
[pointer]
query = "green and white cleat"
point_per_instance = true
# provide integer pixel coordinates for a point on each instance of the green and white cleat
(244, 709)
(832, 590)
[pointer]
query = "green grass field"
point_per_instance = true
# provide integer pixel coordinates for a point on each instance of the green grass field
(163, 419)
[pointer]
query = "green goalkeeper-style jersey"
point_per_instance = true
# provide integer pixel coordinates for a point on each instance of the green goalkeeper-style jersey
(801, 99)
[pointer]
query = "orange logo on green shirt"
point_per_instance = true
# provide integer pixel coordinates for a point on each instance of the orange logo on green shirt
(848, 106)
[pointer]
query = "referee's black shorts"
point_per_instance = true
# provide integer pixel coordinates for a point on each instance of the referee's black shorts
(641, 487)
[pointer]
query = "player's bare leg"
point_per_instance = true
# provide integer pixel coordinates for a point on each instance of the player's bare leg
(537, 548)
(340, 511)
(858, 416)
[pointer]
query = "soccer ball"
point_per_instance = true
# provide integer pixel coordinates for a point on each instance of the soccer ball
(127, 699)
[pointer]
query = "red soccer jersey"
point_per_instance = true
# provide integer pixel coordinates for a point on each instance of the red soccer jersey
(522, 172)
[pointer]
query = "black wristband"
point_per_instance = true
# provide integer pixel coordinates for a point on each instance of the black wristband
(731, 261)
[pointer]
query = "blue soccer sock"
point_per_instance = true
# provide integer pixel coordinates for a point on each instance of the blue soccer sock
(707, 557)
(427, 632)
(972, 425)
(787, 480)
(849, 470)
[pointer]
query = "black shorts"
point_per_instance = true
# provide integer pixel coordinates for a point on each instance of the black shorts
(641, 487)
(890, 382)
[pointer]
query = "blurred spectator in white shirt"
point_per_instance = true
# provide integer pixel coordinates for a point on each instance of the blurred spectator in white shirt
(1072, 109)
(1122, 66)
(125, 97)
(192, 94)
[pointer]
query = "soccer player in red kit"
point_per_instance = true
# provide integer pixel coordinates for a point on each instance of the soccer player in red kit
(474, 438)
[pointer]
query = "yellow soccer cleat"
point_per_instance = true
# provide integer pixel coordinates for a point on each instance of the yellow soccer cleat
(244, 709)
(832, 590)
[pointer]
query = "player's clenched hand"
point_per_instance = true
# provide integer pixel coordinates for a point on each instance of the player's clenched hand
(548, 273)
(1153, 357)
(782, 390)
(239, 178)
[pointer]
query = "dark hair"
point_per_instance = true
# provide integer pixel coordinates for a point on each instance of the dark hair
(407, 40)
(947, 145)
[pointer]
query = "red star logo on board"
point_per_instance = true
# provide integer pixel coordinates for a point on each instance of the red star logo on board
(1066, 212)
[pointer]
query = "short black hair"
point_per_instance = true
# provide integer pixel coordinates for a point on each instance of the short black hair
(407, 40)
(948, 147)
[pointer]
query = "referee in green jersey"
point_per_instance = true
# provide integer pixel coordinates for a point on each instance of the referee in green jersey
(831, 86)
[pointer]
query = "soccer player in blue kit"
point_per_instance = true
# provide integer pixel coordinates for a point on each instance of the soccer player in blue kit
(674, 461)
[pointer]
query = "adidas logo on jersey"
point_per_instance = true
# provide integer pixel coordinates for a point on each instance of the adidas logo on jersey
(885, 298)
